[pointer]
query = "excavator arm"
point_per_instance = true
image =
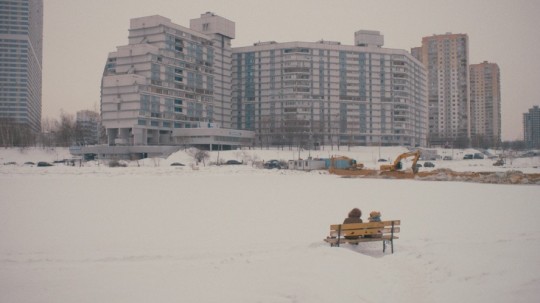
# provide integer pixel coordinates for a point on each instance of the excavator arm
(397, 163)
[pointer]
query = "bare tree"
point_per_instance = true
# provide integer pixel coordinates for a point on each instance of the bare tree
(15, 134)
(198, 155)
(65, 130)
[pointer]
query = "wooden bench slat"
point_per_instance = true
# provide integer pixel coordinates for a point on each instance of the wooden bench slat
(359, 240)
(364, 225)
(362, 232)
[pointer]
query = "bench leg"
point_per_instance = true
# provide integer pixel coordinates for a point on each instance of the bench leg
(339, 235)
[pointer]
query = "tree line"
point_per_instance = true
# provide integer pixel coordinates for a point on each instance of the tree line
(61, 132)
(65, 132)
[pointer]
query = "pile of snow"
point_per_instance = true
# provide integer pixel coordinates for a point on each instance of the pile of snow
(19, 156)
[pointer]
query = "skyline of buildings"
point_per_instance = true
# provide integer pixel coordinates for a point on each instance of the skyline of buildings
(170, 78)
(237, 87)
(21, 51)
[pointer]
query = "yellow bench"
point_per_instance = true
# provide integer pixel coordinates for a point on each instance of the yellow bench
(364, 232)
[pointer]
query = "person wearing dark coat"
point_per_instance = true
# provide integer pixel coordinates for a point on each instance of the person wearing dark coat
(354, 217)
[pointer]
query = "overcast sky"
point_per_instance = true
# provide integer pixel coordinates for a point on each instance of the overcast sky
(79, 34)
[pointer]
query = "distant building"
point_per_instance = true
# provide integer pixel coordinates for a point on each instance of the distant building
(531, 127)
(485, 104)
(21, 48)
(169, 78)
(87, 127)
(325, 93)
(446, 58)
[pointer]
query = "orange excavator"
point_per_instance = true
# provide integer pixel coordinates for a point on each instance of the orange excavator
(397, 165)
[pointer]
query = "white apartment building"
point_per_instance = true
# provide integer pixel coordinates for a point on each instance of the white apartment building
(171, 84)
(169, 78)
(485, 104)
(326, 93)
(446, 58)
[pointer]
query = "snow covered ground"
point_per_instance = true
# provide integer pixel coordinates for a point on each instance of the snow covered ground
(152, 232)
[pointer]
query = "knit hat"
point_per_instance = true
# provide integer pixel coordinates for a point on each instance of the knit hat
(355, 213)
(374, 214)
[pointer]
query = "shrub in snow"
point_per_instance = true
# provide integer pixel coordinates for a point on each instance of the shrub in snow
(116, 163)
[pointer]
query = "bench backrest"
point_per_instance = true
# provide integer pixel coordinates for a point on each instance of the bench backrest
(363, 229)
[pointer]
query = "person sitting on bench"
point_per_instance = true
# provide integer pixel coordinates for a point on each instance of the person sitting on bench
(354, 217)
(374, 216)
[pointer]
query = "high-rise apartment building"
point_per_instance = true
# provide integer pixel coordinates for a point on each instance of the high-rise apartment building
(446, 58)
(167, 79)
(309, 93)
(485, 97)
(531, 127)
(21, 44)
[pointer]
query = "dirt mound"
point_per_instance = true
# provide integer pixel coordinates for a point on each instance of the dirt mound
(444, 174)
(508, 177)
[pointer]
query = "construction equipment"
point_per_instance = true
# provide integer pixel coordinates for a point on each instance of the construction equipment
(341, 165)
(397, 165)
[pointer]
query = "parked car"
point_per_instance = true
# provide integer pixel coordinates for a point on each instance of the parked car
(468, 157)
(177, 164)
(418, 165)
(478, 156)
(272, 164)
(233, 162)
(43, 164)
(530, 154)
(382, 160)
(429, 164)
(447, 158)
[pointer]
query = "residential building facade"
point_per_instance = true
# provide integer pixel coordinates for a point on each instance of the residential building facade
(446, 58)
(485, 97)
(171, 83)
(21, 48)
(168, 78)
(324, 93)
(531, 127)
